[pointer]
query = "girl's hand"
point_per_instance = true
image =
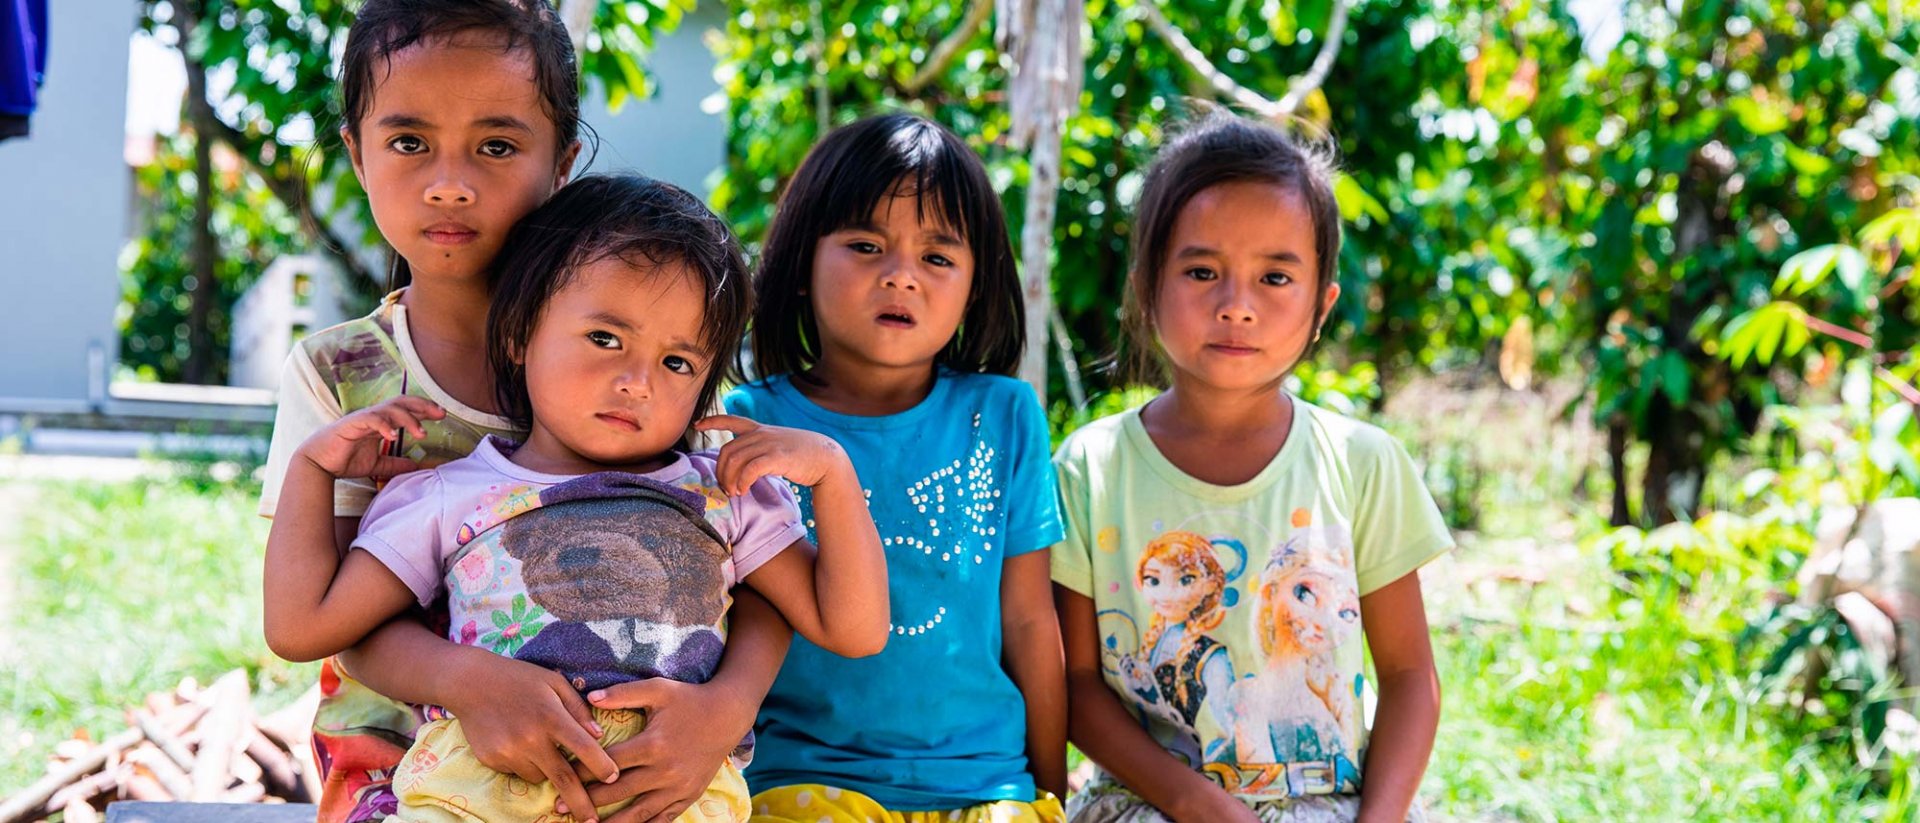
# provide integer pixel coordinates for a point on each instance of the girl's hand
(756, 451)
(356, 445)
(691, 729)
(1212, 804)
(519, 723)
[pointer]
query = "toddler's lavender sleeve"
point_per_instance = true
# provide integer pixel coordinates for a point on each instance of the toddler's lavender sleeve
(766, 520)
(402, 529)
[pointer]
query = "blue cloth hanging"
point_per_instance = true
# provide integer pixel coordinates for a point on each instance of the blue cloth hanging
(23, 62)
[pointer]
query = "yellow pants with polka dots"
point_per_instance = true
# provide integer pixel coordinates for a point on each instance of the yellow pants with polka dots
(813, 803)
(440, 781)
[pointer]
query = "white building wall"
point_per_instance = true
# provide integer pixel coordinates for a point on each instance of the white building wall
(63, 215)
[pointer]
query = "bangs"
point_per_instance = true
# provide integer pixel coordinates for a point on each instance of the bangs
(911, 161)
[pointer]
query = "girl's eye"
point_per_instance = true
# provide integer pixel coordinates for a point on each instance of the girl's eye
(605, 340)
(1275, 278)
(1304, 594)
(1186, 580)
(939, 260)
(498, 149)
(1201, 273)
(678, 364)
(407, 144)
(1150, 580)
(864, 247)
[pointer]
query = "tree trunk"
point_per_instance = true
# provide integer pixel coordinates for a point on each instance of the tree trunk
(199, 367)
(1617, 469)
(1036, 245)
(1677, 433)
(1043, 36)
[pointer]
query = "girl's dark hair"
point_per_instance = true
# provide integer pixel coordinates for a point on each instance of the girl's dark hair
(1223, 148)
(843, 178)
(646, 222)
(383, 27)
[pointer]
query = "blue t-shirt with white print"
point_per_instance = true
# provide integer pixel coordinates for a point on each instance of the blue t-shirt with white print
(956, 484)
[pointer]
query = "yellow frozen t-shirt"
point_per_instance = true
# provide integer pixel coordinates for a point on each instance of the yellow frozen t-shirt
(1229, 616)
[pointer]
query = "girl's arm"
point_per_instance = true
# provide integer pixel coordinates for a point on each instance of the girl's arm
(317, 602)
(691, 729)
(1033, 659)
(1395, 620)
(848, 570)
(1102, 728)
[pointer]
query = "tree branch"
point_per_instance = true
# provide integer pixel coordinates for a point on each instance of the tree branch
(291, 191)
(822, 105)
(942, 57)
(1297, 91)
(1304, 85)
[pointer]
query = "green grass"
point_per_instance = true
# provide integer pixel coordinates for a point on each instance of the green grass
(119, 590)
(1565, 702)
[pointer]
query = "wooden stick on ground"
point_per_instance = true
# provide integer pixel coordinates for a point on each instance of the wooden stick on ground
(170, 777)
(219, 732)
(168, 744)
(86, 789)
(31, 802)
(277, 770)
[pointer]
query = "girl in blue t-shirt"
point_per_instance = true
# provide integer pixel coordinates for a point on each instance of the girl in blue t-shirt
(890, 317)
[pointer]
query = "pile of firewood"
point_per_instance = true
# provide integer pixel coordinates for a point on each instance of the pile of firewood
(192, 744)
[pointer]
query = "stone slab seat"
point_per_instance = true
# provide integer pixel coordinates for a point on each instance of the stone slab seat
(133, 812)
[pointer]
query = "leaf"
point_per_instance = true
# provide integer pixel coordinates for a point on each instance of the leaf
(1762, 332)
(1889, 423)
(1355, 201)
(1806, 162)
(1673, 377)
(1901, 225)
(1758, 118)
(1313, 16)
(1806, 270)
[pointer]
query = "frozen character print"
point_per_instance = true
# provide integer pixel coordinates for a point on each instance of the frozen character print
(1298, 708)
(1178, 665)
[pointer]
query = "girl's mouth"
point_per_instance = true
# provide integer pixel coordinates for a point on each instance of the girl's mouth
(1232, 349)
(617, 421)
(449, 234)
(895, 320)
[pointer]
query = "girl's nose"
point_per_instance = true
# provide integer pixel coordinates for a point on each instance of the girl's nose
(635, 383)
(1234, 307)
(449, 187)
(900, 277)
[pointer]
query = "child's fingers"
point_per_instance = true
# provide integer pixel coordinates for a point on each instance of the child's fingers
(573, 796)
(725, 422)
(379, 421)
(587, 750)
(733, 456)
(750, 473)
(398, 419)
(419, 407)
(634, 694)
(388, 466)
(526, 770)
(641, 810)
(673, 812)
(577, 708)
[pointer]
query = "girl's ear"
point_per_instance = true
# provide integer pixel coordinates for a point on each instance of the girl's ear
(1326, 309)
(564, 171)
(353, 155)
